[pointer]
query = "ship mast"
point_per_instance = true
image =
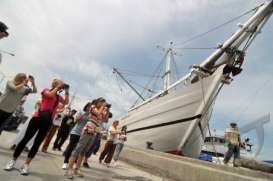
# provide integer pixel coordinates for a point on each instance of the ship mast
(167, 74)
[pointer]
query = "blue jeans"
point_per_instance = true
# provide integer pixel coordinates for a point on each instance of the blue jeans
(119, 147)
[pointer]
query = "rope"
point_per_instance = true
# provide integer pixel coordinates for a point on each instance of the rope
(118, 83)
(176, 69)
(218, 26)
(150, 90)
(150, 81)
(131, 73)
(196, 48)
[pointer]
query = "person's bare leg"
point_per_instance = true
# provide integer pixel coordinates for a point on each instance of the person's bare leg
(28, 160)
(78, 166)
(79, 162)
(85, 160)
(71, 162)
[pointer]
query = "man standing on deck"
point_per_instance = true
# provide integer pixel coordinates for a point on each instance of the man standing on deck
(3, 30)
(233, 139)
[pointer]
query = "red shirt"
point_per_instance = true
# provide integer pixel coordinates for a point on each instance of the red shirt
(50, 103)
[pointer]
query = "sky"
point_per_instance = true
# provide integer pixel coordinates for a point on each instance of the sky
(81, 41)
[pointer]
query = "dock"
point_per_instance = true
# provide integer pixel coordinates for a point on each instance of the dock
(135, 165)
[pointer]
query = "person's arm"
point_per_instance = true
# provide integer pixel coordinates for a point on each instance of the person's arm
(66, 113)
(32, 81)
(80, 116)
(50, 93)
(60, 108)
(112, 131)
(66, 97)
(12, 86)
(37, 105)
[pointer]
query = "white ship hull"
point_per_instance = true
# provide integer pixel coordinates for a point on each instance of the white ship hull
(162, 121)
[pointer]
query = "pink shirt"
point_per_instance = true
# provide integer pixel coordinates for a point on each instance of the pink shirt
(49, 103)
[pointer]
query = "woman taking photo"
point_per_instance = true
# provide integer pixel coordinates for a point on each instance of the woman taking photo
(81, 119)
(87, 137)
(49, 102)
(14, 92)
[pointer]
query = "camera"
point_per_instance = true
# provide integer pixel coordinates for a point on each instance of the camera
(65, 86)
(108, 105)
(110, 115)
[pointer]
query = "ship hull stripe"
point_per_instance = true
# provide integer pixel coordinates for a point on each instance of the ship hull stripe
(166, 124)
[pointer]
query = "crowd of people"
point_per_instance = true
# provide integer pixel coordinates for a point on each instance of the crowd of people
(53, 115)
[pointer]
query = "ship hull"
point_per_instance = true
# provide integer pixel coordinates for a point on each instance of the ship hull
(176, 121)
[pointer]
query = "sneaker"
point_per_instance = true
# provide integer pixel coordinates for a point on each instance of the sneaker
(69, 174)
(78, 172)
(24, 169)
(85, 165)
(10, 165)
(64, 167)
(114, 163)
(107, 165)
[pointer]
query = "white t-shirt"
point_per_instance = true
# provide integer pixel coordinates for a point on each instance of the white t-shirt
(112, 136)
(58, 119)
(121, 138)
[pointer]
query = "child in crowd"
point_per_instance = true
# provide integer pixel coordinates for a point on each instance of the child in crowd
(66, 125)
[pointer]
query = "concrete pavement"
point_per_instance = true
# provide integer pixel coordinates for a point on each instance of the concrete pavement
(188, 169)
(47, 167)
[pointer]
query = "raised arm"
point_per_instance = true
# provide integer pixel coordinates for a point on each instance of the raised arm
(50, 93)
(32, 81)
(12, 86)
(66, 97)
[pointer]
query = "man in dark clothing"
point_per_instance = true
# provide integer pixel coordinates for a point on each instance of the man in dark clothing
(64, 130)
